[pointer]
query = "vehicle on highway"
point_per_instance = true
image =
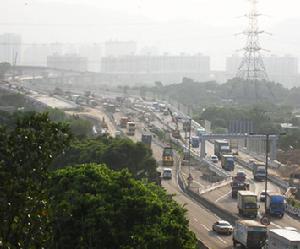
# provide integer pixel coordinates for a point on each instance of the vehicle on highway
(247, 204)
(147, 139)
(200, 131)
(167, 156)
(214, 159)
(195, 142)
(222, 227)
(123, 122)
(167, 174)
(130, 128)
(238, 183)
(283, 238)
(275, 204)
(249, 234)
(262, 196)
(227, 162)
(176, 134)
(259, 171)
(222, 147)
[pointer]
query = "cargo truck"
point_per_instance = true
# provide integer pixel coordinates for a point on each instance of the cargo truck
(275, 204)
(222, 147)
(259, 171)
(249, 234)
(130, 128)
(283, 238)
(167, 156)
(238, 184)
(195, 142)
(147, 139)
(247, 204)
(227, 162)
(123, 122)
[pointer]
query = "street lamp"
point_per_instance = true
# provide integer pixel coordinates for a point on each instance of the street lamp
(190, 178)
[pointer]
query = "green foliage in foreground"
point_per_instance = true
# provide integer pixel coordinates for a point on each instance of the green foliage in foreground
(26, 151)
(117, 154)
(94, 207)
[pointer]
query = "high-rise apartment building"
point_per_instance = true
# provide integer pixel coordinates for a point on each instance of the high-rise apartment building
(120, 48)
(10, 48)
(68, 62)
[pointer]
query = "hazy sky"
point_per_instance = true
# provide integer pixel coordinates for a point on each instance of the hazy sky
(206, 26)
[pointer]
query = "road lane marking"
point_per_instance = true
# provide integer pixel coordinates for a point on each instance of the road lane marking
(206, 228)
(223, 241)
(223, 196)
(278, 226)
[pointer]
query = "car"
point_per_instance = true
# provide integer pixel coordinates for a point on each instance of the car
(222, 227)
(214, 158)
(262, 196)
(167, 173)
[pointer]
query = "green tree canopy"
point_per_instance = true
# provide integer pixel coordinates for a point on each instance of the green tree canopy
(95, 207)
(26, 152)
(117, 154)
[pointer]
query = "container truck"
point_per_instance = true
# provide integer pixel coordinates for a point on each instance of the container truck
(249, 234)
(247, 204)
(222, 147)
(227, 162)
(275, 204)
(283, 238)
(147, 139)
(195, 142)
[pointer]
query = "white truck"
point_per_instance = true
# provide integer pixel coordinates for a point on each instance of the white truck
(283, 238)
(249, 234)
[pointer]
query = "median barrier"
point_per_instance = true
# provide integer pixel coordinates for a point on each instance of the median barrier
(293, 210)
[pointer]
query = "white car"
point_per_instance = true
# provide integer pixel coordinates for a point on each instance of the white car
(167, 173)
(222, 227)
(214, 158)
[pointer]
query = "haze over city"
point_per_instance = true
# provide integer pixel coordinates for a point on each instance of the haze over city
(205, 26)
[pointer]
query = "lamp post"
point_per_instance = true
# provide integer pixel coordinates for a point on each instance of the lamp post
(190, 178)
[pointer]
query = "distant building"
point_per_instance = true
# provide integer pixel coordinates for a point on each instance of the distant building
(67, 62)
(36, 55)
(120, 48)
(167, 68)
(10, 48)
(282, 69)
(93, 53)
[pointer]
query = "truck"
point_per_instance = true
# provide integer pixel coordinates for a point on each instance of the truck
(195, 142)
(227, 162)
(275, 204)
(247, 204)
(123, 122)
(249, 234)
(283, 238)
(167, 156)
(259, 171)
(222, 147)
(200, 131)
(130, 128)
(238, 184)
(147, 139)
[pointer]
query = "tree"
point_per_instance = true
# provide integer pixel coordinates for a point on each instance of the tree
(117, 154)
(26, 152)
(94, 207)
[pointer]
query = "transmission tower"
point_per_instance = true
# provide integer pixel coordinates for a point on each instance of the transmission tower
(252, 67)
